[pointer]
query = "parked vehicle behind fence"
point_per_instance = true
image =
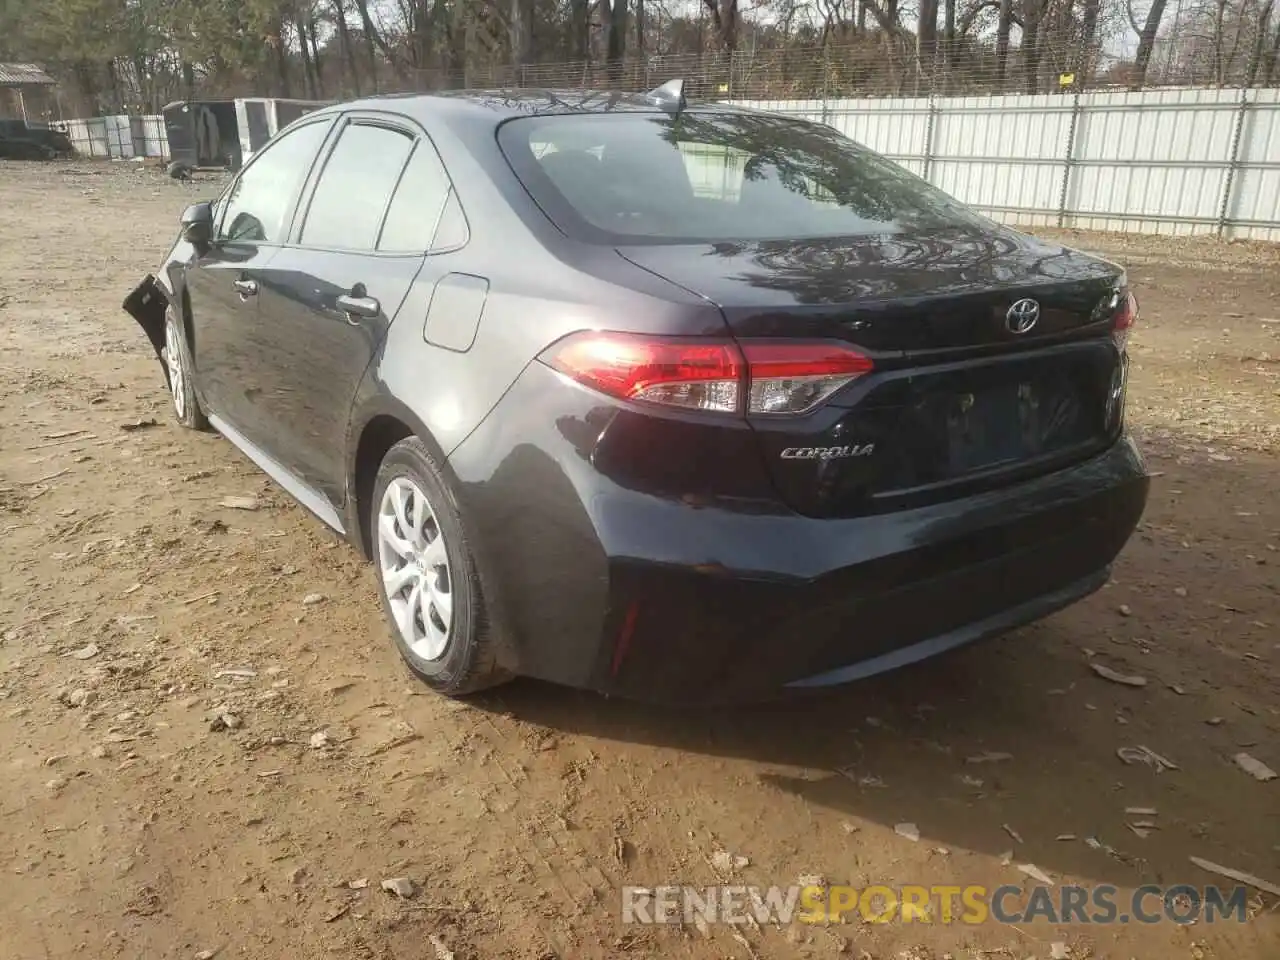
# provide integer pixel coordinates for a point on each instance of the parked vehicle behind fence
(27, 140)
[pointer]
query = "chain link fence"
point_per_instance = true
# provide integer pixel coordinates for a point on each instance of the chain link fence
(1053, 134)
(1043, 135)
(879, 66)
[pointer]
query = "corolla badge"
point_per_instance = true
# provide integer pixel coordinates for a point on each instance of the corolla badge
(829, 453)
(1022, 316)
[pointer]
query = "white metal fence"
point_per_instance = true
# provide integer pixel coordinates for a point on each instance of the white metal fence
(119, 137)
(1153, 161)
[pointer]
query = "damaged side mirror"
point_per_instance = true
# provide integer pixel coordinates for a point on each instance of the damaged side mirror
(197, 225)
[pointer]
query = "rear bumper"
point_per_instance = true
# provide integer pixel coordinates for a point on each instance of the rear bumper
(651, 597)
(1001, 622)
(848, 599)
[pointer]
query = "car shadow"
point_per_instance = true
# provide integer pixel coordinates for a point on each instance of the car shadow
(1012, 732)
(1019, 735)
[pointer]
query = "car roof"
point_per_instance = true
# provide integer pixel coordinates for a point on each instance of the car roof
(492, 107)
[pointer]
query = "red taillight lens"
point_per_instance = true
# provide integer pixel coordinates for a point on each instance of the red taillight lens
(792, 378)
(1123, 316)
(774, 377)
(689, 373)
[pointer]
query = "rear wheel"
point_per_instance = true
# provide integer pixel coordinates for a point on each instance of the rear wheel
(177, 363)
(426, 574)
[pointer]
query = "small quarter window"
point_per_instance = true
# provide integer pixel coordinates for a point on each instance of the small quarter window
(415, 208)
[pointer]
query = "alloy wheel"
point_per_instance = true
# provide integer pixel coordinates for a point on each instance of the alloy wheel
(173, 360)
(414, 565)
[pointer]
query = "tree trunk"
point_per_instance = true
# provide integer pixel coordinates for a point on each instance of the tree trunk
(145, 88)
(420, 32)
(724, 14)
(1271, 62)
(315, 53)
(371, 39)
(640, 30)
(282, 61)
(515, 38)
(308, 69)
(455, 50)
(86, 85)
(137, 94)
(1003, 25)
(579, 28)
(519, 30)
(926, 35)
(1031, 19)
(1219, 31)
(948, 42)
(282, 71)
(729, 26)
(1088, 42)
(617, 41)
(892, 30)
(1258, 51)
(117, 104)
(345, 50)
(1146, 42)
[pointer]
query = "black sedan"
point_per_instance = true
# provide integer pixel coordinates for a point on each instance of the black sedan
(680, 402)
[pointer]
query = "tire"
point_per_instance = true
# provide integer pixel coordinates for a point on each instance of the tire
(177, 368)
(444, 635)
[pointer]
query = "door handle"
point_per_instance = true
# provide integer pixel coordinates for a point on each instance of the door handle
(246, 288)
(353, 306)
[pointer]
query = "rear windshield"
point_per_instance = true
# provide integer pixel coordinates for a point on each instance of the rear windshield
(709, 177)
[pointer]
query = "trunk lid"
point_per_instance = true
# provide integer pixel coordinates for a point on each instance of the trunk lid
(962, 398)
(946, 292)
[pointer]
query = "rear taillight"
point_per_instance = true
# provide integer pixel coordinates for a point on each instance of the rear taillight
(770, 377)
(1124, 314)
(689, 373)
(791, 378)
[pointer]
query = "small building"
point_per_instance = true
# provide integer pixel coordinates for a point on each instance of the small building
(28, 92)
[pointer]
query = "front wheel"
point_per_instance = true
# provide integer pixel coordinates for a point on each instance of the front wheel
(427, 577)
(177, 364)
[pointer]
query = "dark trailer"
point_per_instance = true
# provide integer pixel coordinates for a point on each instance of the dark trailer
(226, 133)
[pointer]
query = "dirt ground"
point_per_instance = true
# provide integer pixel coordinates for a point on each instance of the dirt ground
(134, 607)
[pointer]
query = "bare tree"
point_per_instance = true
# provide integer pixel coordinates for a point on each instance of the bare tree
(926, 33)
(725, 17)
(1257, 55)
(1003, 29)
(346, 52)
(1146, 40)
(1033, 12)
(1271, 59)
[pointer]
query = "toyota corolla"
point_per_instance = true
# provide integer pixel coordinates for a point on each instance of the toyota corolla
(672, 401)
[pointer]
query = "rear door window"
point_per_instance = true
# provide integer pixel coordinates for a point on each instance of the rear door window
(351, 196)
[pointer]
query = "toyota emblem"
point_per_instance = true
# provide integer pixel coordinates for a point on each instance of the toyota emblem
(1022, 316)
